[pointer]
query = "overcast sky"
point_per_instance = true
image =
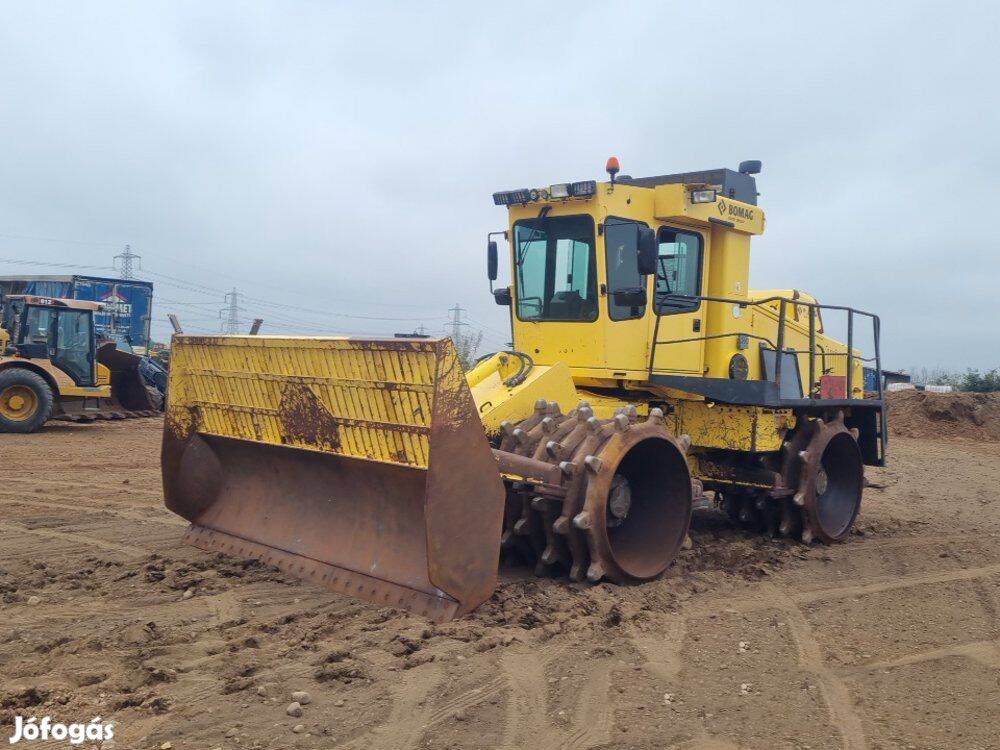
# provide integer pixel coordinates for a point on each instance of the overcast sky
(341, 157)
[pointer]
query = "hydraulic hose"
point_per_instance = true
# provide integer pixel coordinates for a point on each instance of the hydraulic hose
(526, 365)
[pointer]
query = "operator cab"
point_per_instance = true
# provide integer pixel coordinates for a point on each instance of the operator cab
(59, 330)
(600, 271)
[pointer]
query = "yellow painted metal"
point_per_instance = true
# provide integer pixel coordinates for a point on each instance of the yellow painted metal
(496, 401)
(62, 384)
(672, 203)
(751, 429)
(378, 393)
(18, 402)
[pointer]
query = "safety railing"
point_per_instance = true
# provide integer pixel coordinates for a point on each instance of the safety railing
(662, 301)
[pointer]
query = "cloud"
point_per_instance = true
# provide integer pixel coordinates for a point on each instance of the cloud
(341, 158)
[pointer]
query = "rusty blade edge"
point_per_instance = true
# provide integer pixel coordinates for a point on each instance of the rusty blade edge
(335, 578)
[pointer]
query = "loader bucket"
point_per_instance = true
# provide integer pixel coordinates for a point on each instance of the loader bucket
(128, 389)
(359, 464)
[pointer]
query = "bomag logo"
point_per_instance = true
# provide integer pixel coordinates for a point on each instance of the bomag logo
(735, 212)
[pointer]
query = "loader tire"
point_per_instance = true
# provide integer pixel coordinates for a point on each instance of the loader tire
(25, 400)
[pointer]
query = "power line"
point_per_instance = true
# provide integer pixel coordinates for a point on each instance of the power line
(55, 239)
(22, 261)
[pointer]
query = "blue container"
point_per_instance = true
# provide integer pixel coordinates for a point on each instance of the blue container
(130, 302)
(871, 379)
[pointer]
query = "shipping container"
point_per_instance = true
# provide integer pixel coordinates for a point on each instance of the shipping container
(129, 303)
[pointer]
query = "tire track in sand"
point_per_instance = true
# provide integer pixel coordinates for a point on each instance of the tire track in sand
(43, 501)
(986, 653)
(86, 540)
(527, 723)
(410, 714)
(663, 648)
(837, 698)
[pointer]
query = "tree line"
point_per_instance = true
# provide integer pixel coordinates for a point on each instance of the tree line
(970, 380)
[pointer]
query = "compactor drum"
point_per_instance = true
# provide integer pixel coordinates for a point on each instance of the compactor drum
(646, 379)
(626, 495)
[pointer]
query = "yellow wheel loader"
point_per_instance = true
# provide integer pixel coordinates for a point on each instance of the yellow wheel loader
(646, 380)
(52, 367)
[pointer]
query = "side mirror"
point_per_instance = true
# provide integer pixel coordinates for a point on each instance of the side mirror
(502, 296)
(648, 250)
(634, 296)
(491, 260)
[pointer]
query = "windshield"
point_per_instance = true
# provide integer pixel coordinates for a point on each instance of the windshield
(555, 274)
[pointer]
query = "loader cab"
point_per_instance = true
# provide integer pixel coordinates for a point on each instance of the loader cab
(602, 273)
(56, 330)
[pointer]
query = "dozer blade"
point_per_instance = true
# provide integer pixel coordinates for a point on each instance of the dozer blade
(129, 397)
(358, 464)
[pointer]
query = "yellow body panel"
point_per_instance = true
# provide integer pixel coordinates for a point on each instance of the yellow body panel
(497, 401)
(62, 383)
(672, 203)
(254, 387)
(752, 429)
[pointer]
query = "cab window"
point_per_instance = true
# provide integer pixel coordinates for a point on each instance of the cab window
(555, 277)
(678, 270)
(36, 325)
(621, 254)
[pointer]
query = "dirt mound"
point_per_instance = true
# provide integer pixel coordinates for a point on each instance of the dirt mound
(919, 414)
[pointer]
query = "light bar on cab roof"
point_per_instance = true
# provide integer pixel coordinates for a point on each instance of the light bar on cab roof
(559, 190)
(511, 197)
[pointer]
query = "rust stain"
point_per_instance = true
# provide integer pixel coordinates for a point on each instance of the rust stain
(304, 419)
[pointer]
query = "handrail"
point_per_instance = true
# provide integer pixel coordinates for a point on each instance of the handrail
(659, 303)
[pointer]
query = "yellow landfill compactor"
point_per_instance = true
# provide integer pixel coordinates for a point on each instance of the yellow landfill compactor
(645, 379)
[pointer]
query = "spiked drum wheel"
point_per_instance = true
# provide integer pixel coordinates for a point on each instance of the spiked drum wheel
(628, 495)
(823, 462)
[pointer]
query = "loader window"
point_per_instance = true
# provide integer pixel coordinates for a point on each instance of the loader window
(73, 345)
(36, 325)
(621, 253)
(678, 271)
(555, 275)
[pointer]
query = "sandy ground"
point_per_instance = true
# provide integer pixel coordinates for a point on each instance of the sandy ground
(890, 640)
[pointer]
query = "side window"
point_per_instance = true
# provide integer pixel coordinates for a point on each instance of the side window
(36, 325)
(678, 270)
(621, 254)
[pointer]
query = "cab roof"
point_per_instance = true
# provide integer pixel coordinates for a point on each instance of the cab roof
(72, 304)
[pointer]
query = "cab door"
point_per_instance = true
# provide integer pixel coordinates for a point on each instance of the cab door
(626, 341)
(71, 345)
(680, 330)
